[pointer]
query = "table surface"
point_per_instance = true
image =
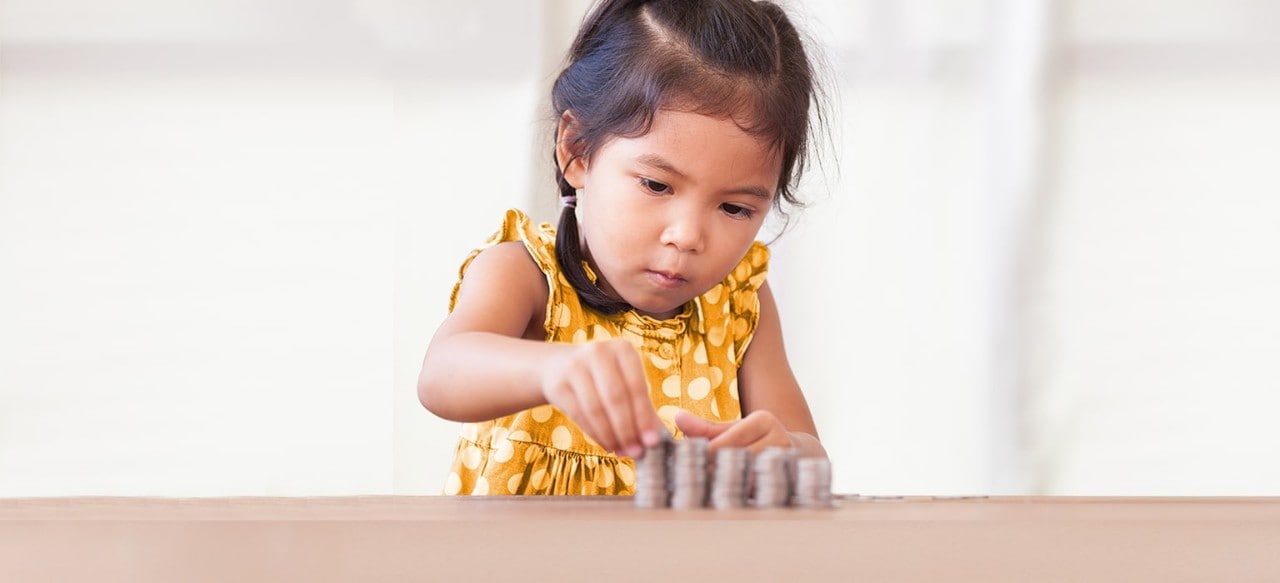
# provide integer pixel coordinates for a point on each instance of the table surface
(368, 538)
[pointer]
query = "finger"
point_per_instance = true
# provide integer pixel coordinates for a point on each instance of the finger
(748, 433)
(695, 426)
(645, 418)
(590, 414)
(616, 401)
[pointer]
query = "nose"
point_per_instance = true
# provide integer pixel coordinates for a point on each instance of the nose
(685, 232)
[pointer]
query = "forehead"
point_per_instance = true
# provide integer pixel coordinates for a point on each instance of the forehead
(702, 146)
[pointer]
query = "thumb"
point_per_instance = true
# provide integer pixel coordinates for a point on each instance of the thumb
(694, 426)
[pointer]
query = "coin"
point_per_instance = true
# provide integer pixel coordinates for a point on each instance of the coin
(772, 486)
(653, 488)
(729, 479)
(813, 483)
(689, 473)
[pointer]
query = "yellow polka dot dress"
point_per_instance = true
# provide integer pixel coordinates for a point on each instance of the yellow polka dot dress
(690, 360)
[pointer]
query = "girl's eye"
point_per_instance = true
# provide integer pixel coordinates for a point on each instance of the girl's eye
(735, 211)
(655, 186)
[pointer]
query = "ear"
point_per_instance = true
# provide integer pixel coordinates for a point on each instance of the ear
(568, 154)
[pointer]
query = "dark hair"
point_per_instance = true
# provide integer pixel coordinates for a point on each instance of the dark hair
(737, 59)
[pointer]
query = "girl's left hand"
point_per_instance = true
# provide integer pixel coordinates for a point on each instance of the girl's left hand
(756, 431)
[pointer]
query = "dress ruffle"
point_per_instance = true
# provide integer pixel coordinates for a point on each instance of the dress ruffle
(545, 471)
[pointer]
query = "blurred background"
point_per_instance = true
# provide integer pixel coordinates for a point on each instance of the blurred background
(1042, 253)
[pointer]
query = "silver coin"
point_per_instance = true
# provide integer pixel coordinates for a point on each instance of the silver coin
(729, 479)
(675, 474)
(772, 484)
(813, 483)
(653, 484)
(689, 473)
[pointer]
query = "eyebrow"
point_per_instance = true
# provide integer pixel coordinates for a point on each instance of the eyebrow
(656, 161)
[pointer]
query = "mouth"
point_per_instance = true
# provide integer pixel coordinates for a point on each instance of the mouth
(667, 279)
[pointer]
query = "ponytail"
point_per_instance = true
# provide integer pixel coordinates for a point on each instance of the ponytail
(569, 254)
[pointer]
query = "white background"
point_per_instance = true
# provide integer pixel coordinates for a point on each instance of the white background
(1041, 258)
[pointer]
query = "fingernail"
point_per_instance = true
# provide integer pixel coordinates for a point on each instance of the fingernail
(650, 438)
(634, 451)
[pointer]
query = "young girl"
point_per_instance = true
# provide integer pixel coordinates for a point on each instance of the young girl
(681, 123)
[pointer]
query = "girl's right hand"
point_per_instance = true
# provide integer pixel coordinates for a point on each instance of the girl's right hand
(601, 386)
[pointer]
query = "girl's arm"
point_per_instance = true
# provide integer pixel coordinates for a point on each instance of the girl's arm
(478, 366)
(489, 359)
(774, 410)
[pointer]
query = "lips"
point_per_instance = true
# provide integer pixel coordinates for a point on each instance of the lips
(667, 278)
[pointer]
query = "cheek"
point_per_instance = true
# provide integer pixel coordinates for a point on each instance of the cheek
(596, 227)
(604, 212)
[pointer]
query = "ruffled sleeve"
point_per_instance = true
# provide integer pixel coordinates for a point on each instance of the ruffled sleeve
(731, 309)
(745, 281)
(540, 241)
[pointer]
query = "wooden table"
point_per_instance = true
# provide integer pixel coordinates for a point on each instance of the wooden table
(517, 539)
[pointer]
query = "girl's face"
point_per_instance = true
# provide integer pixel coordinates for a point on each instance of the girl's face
(665, 216)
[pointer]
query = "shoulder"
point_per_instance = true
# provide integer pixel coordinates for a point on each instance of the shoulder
(732, 308)
(503, 291)
(749, 274)
(741, 285)
(519, 256)
(518, 243)
(506, 259)
(538, 239)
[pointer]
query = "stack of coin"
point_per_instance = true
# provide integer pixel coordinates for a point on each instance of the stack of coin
(790, 457)
(813, 483)
(689, 473)
(653, 488)
(772, 483)
(729, 482)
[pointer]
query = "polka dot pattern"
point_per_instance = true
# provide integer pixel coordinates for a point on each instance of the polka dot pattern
(713, 295)
(671, 386)
(540, 479)
(502, 448)
(717, 335)
(690, 361)
(561, 438)
(604, 479)
(636, 340)
(599, 332)
(667, 413)
(699, 388)
(626, 474)
(660, 363)
(471, 457)
(565, 316)
(700, 354)
(542, 413)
